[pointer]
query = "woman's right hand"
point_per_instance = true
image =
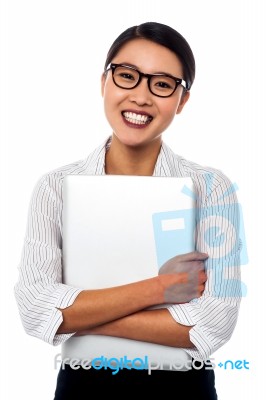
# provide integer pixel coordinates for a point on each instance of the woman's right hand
(183, 277)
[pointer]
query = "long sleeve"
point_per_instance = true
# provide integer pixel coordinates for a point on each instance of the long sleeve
(214, 315)
(39, 291)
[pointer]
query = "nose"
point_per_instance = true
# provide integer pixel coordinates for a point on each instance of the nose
(141, 94)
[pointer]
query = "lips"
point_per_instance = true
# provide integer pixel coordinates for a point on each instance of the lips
(136, 118)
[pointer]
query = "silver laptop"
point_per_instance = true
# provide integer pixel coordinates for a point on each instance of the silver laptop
(120, 229)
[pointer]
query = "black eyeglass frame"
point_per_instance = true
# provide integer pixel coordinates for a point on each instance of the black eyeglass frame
(178, 81)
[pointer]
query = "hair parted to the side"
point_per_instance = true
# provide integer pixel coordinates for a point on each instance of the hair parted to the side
(163, 35)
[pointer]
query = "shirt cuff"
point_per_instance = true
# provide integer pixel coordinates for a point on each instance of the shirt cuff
(181, 313)
(65, 297)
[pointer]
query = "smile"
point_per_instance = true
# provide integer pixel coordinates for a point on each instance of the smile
(138, 119)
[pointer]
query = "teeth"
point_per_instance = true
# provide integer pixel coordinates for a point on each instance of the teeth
(134, 118)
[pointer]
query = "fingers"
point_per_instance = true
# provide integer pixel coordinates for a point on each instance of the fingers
(182, 287)
(201, 290)
(182, 263)
(202, 277)
(194, 255)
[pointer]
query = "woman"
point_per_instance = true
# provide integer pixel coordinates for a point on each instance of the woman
(146, 82)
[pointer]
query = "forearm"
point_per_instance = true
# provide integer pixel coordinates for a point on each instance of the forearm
(154, 326)
(95, 307)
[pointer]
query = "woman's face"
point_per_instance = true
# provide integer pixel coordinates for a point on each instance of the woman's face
(124, 108)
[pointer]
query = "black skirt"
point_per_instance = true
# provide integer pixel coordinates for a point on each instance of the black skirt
(197, 383)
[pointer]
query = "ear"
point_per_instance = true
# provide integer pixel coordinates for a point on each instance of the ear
(183, 100)
(103, 79)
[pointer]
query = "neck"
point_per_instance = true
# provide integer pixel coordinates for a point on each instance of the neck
(128, 160)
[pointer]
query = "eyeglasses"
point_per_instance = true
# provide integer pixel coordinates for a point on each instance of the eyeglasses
(161, 85)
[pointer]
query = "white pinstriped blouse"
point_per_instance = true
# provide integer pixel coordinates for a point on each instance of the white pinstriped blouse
(39, 290)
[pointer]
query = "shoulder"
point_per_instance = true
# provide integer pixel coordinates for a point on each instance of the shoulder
(51, 182)
(209, 181)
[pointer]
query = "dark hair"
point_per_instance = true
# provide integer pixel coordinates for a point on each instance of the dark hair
(163, 35)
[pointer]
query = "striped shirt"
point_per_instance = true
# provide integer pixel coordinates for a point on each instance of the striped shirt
(40, 292)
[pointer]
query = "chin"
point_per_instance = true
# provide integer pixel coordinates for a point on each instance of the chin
(137, 139)
(134, 143)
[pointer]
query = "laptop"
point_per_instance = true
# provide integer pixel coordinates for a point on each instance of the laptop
(117, 230)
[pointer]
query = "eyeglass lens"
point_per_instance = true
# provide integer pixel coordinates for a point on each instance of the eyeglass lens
(128, 78)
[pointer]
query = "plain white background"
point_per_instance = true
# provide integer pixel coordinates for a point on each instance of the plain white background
(52, 57)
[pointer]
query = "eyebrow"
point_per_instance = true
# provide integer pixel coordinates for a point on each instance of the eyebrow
(135, 66)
